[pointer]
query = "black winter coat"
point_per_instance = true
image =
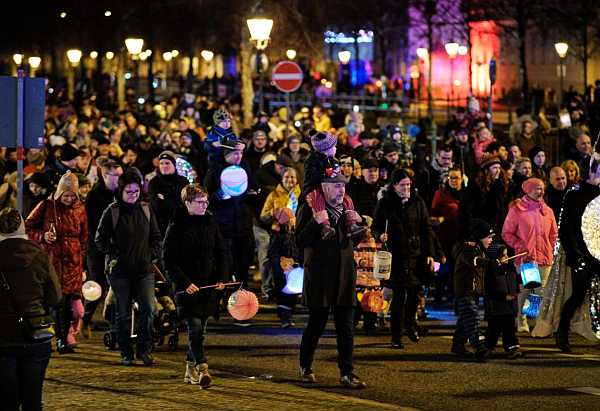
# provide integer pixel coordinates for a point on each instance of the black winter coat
(234, 214)
(134, 243)
(282, 244)
(500, 281)
(364, 196)
(98, 199)
(471, 262)
(194, 253)
(165, 197)
(33, 283)
(329, 270)
(410, 236)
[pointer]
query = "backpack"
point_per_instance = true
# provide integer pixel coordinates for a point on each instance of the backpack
(114, 211)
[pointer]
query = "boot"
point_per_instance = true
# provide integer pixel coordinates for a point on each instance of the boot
(562, 341)
(205, 378)
(63, 348)
(481, 354)
(461, 351)
(191, 373)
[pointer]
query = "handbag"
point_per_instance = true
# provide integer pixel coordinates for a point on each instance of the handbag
(36, 328)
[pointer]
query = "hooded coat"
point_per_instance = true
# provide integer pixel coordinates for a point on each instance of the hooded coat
(165, 197)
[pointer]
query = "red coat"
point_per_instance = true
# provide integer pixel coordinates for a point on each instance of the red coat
(446, 205)
(530, 226)
(68, 252)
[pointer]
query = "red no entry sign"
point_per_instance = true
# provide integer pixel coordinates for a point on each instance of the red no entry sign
(287, 76)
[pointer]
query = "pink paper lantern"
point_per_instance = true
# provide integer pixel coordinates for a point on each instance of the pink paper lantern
(242, 305)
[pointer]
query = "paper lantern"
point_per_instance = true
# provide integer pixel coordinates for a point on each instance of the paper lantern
(436, 266)
(373, 301)
(294, 281)
(590, 221)
(234, 181)
(242, 305)
(185, 169)
(91, 290)
(382, 265)
(530, 275)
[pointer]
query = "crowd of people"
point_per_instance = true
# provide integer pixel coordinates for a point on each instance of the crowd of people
(181, 187)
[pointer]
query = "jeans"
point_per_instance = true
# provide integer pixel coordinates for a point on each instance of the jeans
(95, 266)
(403, 310)
(63, 313)
(344, 326)
(126, 290)
(467, 324)
(261, 236)
(196, 330)
(501, 325)
(22, 373)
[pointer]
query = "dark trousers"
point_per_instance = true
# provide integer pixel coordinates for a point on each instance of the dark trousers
(63, 313)
(241, 253)
(95, 266)
(501, 325)
(403, 310)
(125, 289)
(344, 326)
(196, 330)
(581, 280)
(22, 373)
(467, 324)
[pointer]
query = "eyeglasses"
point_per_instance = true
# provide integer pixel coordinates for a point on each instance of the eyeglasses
(201, 202)
(130, 193)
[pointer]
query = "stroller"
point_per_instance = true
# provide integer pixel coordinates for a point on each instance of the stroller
(165, 325)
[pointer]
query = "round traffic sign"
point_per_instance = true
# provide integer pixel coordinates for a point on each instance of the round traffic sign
(287, 76)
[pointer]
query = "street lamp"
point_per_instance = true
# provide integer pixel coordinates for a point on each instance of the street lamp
(260, 31)
(167, 56)
(93, 55)
(344, 56)
(74, 56)
(290, 54)
(34, 62)
(463, 50)
(422, 53)
(109, 55)
(207, 55)
(561, 49)
(452, 50)
(18, 58)
(134, 45)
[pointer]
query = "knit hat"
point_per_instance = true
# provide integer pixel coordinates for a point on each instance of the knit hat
(531, 184)
(100, 138)
(221, 115)
(534, 152)
(489, 161)
(369, 163)
(390, 148)
(168, 155)
(11, 224)
(480, 229)
(67, 152)
(283, 215)
(68, 182)
(321, 141)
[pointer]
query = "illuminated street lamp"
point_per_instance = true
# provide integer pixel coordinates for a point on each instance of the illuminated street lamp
(134, 45)
(463, 50)
(561, 49)
(207, 55)
(93, 55)
(260, 31)
(109, 55)
(452, 50)
(174, 53)
(34, 62)
(74, 56)
(18, 58)
(167, 56)
(107, 13)
(422, 53)
(290, 54)
(344, 56)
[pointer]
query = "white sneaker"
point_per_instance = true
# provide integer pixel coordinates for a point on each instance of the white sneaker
(523, 326)
(191, 373)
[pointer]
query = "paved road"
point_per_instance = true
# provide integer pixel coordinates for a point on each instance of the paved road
(255, 368)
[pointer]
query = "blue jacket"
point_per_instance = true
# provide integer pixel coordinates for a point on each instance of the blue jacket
(217, 134)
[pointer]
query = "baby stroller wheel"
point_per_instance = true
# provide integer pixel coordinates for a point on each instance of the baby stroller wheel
(173, 342)
(110, 341)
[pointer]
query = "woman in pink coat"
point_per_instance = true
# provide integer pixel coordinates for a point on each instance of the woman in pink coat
(530, 227)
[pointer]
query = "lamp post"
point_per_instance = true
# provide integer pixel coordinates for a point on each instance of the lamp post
(134, 47)
(422, 54)
(260, 31)
(344, 56)
(74, 57)
(290, 54)
(561, 49)
(34, 63)
(452, 50)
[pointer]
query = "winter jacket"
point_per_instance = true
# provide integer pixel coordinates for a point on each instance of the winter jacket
(67, 253)
(571, 237)
(470, 264)
(279, 198)
(554, 199)
(134, 243)
(364, 196)
(98, 199)
(530, 226)
(267, 180)
(298, 164)
(219, 134)
(233, 214)
(490, 206)
(314, 168)
(282, 244)
(165, 197)
(194, 253)
(500, 281)
(479, 147)
(329, 270)
(252, 158)
(33, 283)
(446, 204)
(410, 237)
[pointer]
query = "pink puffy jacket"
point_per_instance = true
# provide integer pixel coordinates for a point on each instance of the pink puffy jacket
(530, 226)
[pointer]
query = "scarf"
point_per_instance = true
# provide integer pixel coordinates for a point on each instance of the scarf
(335, 212)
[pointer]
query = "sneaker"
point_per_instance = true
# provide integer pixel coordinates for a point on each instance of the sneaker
(523, 326)
(191, 373)
(352, 381)
(514, 353)
(205, 378)
(397, 344)
(242, 323)
(147, 358)
(127, 360)
(286, 324)
(307, 375)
